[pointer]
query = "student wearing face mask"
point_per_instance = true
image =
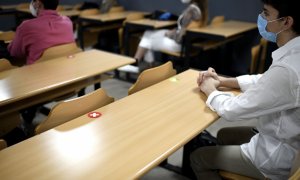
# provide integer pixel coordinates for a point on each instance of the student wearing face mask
(273, 98)
(36, 35)
(170, 40)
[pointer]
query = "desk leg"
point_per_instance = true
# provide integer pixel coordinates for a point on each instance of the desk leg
(126, 42)
(186, 46)
(80, 34)
(186, 168)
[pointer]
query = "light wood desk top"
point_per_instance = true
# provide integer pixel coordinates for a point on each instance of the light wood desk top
(132, 136)
(225, 30)
(155, 24)
(29, 81)
(13, 6)
(69, 13)
(107, 17)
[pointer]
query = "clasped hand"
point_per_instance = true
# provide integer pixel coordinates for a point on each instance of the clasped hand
(208, 81)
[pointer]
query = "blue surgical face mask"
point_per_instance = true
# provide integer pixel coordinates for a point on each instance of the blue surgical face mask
(262, 25)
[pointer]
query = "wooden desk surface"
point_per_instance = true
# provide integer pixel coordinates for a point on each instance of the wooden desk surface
(28, 81)
(226, 29)
(132, 136)
(13, 6)
(156, 24)
(107, 17)
(69, 13)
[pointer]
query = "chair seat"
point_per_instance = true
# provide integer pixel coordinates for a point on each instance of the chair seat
(232, 176)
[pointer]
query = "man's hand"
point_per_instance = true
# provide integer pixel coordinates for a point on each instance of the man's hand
(208, 85)
(204, 74)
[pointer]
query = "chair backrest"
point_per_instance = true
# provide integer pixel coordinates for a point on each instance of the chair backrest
(195, 24)
(152, 76)
(71, 109)
(23, 6)
(5, 65)
(217, 20)
(295, 171)
(2, 144)
(60, 8)
(59, 51)
(116, 9)
(258, 53)
(7, 36)
(89, 12)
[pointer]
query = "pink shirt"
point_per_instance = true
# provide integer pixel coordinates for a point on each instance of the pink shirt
(35, 35)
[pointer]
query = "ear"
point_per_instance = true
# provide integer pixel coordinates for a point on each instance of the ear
(289, 22)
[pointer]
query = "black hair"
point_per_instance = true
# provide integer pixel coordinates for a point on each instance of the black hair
(50, 4)
(287, 8)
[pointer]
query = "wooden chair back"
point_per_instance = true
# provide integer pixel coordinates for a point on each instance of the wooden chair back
(2, 144)
(195, 24)
(77, 6)
(60, 8)
(59, 51)
(5, 65)
(115, 9)
(23, 6)
(258, 53)
(7, 36)
(130, 17)
(152, 76)
(217, 20)
(89, 12)
(71, 109)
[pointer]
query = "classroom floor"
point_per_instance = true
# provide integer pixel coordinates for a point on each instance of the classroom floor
(118, 89)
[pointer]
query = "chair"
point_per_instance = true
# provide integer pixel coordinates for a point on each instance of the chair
(294, 174)
(115, 9)
(60, 8)
(152, 76)
(23, 6)
(59, 51)
(2, 144)
(130, 17)
(5, 65)
(71, 109)
(182, 55)
(7, 36)
(91, 32)
(258, 53)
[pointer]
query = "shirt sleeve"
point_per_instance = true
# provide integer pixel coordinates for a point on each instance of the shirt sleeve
(246, 81)
(17, 48)
(272, 93)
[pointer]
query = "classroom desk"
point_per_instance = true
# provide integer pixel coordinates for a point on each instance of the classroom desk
(69, 13)
(108, 19)
(143, 24)
(227, 31)
(133, 135)
(41, 82)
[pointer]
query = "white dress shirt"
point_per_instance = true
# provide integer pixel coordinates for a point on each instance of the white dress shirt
(273, 98)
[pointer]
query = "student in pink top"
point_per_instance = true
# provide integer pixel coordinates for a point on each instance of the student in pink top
(36, 35)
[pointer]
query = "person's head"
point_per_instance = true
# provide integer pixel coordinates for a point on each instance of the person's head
(37, 5)
(282, 18)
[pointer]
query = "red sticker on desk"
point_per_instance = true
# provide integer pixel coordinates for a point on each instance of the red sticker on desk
(94, 114)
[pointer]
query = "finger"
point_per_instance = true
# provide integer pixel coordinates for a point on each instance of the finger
(210, 69)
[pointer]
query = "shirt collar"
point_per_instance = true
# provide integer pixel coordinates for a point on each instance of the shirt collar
(47, 12)
(280, 52)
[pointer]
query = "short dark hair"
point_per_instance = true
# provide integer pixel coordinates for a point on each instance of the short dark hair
(50, 4)
(287, 8)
